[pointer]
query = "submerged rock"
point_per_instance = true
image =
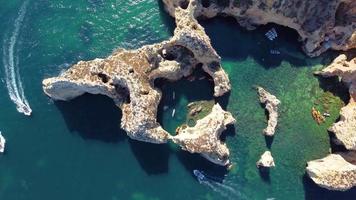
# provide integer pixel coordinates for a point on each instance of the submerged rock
(266, 160)
(271, 104)
(204, 137)
(321, 25)
(334, 172)
(127, 76)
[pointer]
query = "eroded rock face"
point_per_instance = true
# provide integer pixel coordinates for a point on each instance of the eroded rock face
(266, 160)
(321, 24)
(334, 172)
(271, 104)
(204, 137)
(345, 129)
(127, 76)
(338, 171)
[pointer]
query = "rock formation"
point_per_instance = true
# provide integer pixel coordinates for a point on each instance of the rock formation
(338, 171)
(204, 137)
(127, 76)
(266, 160)
(345, 129)
(271, 104)
(321, 24)
(334, 172)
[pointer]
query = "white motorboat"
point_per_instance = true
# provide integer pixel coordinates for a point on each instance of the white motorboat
(173, 112)
(200, 176)
(2, 143)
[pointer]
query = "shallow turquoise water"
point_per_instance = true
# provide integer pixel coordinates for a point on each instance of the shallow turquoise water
(75, 150)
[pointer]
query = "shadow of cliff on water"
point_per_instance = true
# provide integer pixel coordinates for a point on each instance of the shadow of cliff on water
(313, 191)
(197, 162)
(153, 158)
(93, 117)
(96, 117)
(336, 87)
(233, 42)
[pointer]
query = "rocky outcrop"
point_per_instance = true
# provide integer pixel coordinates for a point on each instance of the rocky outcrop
(127, 76)
(204, 137)
(321, 24)
(271, 104)
(337, 171)
(345, 129)
(266, 160)
(334, 172)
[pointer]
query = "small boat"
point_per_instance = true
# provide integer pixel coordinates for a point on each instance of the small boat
(25, 110)
(200, 176)
(2, 143)
(326, 114)
(173, 112)
(165, 108)
(174, 96)
(271, 34)
(274, 52)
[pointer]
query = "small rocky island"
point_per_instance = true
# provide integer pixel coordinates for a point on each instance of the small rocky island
(128, 76)
(271, 104)
(266, 160)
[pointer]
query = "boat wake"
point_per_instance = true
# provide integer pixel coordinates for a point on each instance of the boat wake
(11, 62)
(223, 188)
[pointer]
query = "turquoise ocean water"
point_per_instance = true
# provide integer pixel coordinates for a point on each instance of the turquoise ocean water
(76, 150)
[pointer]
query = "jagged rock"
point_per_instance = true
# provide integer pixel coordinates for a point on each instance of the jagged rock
(338, 171)
(266, 160)
(204, 137)
(345, 129)
(271, 104)
(334, 172)
(127, 76)
(321, 24)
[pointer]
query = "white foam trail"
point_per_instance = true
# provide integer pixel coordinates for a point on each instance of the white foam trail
(223, 189)
(11, 63)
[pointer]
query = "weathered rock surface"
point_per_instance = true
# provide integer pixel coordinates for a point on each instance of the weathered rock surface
(321, 24)
(204, 137)
(338, 171)
(334, 172)
(127, 76)
(345, 129)
(266, 160)
(271, 104)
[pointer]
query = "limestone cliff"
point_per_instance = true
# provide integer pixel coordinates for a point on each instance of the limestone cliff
(338, 171)
(271, 104)
(321, 24)
(334, 172)
(127, 76)
(204, 137)
(345, 129)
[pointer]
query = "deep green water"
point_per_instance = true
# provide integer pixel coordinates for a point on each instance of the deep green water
(75, 150)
